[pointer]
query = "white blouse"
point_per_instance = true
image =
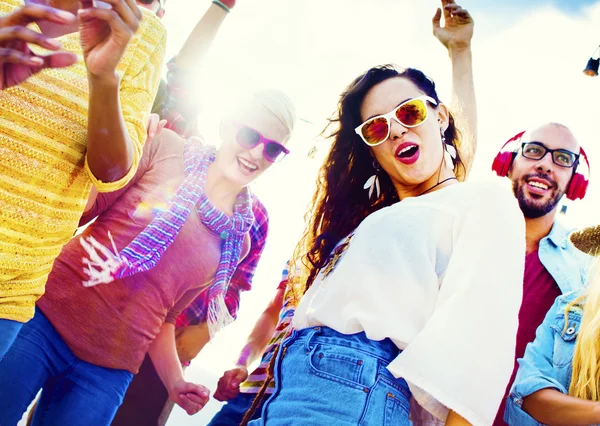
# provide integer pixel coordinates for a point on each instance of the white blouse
(441, 275)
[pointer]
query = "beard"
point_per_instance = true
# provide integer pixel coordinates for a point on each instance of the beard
(532, 208)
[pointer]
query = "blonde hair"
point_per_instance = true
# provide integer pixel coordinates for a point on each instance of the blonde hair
(275, 102)
(585, 378)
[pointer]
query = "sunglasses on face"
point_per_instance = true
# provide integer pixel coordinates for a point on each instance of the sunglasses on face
(249, 138)
(411, 113)
(560, 157)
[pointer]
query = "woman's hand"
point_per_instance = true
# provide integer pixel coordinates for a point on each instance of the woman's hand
(17, 61)
(189, 396)
(457, 31)
(105, 33)
(229, 384)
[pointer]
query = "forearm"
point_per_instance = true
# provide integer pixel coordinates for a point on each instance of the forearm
(258, 339)
(201, 37)
(554, 408)
(464, 103)
(109, 148)
(163, 353)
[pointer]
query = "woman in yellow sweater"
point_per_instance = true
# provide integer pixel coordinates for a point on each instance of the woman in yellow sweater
(64, 130)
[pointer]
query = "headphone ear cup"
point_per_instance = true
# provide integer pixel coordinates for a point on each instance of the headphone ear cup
(502, 163)
(577, 187)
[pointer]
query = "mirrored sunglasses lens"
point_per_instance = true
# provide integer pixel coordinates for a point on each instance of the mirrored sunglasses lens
(248, 137)
(375, 131)
(274, 152)
(412, 113)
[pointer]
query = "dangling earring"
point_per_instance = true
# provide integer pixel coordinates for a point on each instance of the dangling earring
(373, 182)
(449, 152)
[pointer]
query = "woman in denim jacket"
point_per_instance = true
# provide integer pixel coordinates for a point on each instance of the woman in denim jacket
(558, 378)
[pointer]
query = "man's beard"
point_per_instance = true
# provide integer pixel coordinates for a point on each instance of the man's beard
(531, 208)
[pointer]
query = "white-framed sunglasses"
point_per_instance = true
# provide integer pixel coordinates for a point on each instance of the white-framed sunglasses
(411, 113)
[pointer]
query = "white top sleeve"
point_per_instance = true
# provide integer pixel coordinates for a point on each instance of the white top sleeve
(462, 359)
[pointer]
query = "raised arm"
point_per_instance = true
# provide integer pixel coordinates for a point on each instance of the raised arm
(456, 35)
(202, 36)
(180, 104)
(118, 105)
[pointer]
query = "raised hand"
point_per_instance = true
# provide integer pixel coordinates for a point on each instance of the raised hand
(105, 32)
(17, 61)
(457, 31)
(189, 396)
(229, 384)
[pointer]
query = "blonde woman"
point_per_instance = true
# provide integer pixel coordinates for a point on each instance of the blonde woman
(558, 382)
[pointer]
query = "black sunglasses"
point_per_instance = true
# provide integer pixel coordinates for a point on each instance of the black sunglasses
(560, 157)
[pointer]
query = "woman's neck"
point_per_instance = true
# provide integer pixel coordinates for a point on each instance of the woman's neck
(441, 179)
(221, 192)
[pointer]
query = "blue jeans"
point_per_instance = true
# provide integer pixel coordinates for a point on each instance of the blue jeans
(232, 413)
(8, 333)
(74, 391)
(324, 377)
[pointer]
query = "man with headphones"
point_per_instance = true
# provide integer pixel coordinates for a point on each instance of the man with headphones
(544, 165)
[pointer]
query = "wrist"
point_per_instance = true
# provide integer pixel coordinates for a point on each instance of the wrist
(459, 49)
(226, 5)
(110, 80)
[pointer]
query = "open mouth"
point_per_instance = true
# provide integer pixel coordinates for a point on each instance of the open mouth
(407, 153)
(246, 166)
(538, 187)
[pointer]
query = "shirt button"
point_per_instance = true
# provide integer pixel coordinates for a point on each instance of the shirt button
(570, 330)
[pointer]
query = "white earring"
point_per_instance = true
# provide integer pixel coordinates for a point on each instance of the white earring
(372, 184)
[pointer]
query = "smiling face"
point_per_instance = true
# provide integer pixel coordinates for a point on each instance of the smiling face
(412, 157)
(242, 165)
(540, 184)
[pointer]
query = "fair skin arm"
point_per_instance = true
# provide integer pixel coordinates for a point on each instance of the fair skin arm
(162, 351)
(229, 384)
(201, 38)
(553, 408)
(456, 35)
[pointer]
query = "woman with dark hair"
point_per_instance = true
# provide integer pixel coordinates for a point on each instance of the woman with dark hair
(412, 299)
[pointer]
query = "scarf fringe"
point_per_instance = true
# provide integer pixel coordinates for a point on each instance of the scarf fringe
(218, 316)
(99, 270)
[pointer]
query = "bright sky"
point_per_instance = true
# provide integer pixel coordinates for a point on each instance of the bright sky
(528, 61)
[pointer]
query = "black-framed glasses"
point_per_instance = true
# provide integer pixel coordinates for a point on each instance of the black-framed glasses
(560, 157)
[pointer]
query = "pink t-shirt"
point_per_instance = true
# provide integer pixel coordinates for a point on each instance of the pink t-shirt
(112, 325)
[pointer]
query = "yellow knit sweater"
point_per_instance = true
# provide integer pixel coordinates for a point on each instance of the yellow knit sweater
(44, 178)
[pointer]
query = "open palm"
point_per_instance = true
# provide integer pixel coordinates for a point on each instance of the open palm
(105, 33)
(458, 26)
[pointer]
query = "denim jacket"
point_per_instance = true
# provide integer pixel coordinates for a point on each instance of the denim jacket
(547, 360)
(567, 265)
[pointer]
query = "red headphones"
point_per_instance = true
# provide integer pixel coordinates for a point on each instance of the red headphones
(577, 186)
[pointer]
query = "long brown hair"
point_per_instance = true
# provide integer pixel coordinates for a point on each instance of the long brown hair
(340, 203)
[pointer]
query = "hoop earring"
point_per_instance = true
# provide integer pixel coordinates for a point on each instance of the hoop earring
(372, 184)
